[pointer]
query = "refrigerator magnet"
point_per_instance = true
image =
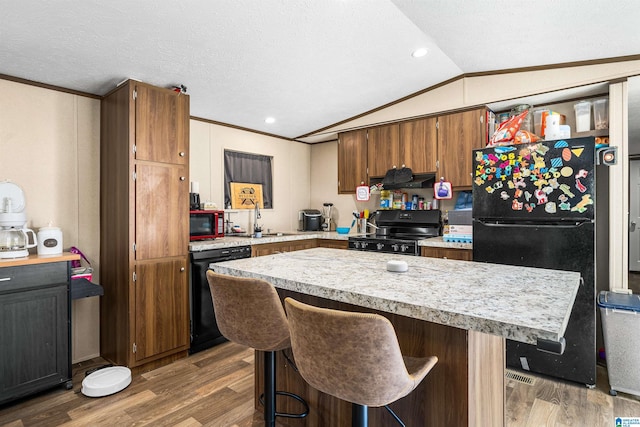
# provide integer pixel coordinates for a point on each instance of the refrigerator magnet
(362, 193)
(442, 190)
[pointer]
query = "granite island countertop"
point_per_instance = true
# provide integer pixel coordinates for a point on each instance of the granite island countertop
(518, 303)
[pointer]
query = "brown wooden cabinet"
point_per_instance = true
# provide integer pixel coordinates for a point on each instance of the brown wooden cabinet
(159, 194)
(458, 135)
(442, 145)
(278, 247)
(144, 231)
(352, 160)
(333, 243)
(418, 147)
(383, 149)
(447, 253)
(159, 126)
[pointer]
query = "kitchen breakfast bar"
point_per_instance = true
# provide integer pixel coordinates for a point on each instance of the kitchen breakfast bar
(459, 311)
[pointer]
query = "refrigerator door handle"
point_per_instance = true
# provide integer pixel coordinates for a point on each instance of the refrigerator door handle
(549, 346)
(538, 225)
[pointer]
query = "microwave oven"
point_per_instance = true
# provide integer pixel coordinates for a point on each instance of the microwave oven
(205, 225)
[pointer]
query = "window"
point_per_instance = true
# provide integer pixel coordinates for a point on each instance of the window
(250, 168)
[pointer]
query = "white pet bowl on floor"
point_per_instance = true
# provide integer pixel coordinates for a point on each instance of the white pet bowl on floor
(106, 381)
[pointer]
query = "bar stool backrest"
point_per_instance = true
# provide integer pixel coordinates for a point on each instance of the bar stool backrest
(353, 356)
(249, 312)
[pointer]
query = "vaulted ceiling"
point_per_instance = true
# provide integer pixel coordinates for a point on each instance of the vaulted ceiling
(308, 64)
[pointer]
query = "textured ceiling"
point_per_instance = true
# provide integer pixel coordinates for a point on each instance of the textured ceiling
(307, 63)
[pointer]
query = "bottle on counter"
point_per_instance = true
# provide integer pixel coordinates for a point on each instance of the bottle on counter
(386, 199)
(397, 200)
(445, 222)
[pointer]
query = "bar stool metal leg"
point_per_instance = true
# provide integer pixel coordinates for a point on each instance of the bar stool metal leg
(359, 415)
(269, 389)
(268, 398)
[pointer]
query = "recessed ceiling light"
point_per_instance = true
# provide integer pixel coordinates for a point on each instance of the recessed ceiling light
(269, 120)
(419, 52)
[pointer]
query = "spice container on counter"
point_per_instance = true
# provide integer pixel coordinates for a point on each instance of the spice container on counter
(386, 199)
(399, 200)
(421, 203)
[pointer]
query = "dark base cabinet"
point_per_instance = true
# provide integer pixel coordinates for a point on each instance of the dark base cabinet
(34, 329)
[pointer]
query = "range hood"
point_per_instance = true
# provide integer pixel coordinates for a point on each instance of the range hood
(396, 179)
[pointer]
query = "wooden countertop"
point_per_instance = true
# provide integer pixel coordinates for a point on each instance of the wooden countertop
(38, 259)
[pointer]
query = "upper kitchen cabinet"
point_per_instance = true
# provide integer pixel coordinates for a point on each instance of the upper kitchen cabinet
(458, 135)
(162, 125)
(144, 225)
(352, 160)
(419, 145)
(383, 149)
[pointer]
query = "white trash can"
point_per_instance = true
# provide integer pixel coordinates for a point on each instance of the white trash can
(620, 315)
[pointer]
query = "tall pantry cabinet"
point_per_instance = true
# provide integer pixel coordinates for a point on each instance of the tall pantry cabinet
(144, 225)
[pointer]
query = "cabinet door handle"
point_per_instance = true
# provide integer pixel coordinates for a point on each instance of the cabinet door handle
(5, 279)
(182, 178)
(181, 268)
(182, 154)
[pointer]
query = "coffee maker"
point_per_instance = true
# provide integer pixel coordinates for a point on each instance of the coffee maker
(194, 196)
(14, 236)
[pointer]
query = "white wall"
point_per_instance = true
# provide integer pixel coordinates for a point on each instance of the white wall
(50, 146)
(324, 179)
(291, 166)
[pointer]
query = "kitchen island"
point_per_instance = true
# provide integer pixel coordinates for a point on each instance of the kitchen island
(459, 311)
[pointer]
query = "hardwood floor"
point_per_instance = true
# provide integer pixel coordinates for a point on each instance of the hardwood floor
(215, 388)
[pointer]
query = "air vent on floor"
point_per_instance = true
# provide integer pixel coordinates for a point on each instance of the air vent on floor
(522, 378)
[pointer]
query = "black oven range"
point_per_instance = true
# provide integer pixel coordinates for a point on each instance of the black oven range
(399, 232)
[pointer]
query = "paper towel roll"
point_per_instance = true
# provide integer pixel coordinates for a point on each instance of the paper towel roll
(195, 187)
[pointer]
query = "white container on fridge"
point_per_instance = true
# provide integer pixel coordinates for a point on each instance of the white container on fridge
(601, 113)
(583, 116)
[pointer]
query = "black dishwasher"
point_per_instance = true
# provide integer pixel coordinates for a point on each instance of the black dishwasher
(204, 330)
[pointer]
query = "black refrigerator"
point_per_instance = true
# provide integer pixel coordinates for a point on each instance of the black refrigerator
(534, 205)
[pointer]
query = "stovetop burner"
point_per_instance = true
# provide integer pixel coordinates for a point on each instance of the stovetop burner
(386, 244)
(399, 232)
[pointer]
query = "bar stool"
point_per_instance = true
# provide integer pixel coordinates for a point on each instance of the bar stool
(353, 356)
(249, 312)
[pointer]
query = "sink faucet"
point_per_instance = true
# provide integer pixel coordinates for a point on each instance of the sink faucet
(256, 217)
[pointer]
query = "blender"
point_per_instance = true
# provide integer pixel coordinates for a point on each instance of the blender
(14, 237)
(328, 224)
